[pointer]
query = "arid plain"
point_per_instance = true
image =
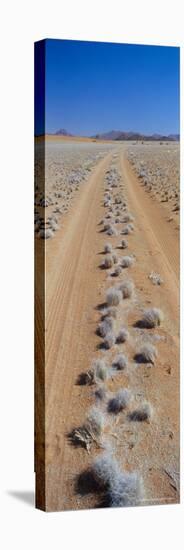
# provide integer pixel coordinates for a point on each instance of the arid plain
(109, 222)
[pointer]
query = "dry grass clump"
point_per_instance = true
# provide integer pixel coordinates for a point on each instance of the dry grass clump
(117, 271)
(91, 431)
(118, 200)
(113, 297)
(146, 354)
(105, 469)
(122, 488)
(109, 340)
(155, 278)
(122, 336)
(53, 224)
(105, 326)
(143, 414)
(108, 248)
(112, 231)
(152, 318)
(126, 288)
(95, 422)
(127, 261)
(128, 218)
(124, 243)
(120, 362)
(46, 233)
(120, 401)
(100, 370)
(126, 490)
(107, 263)
(107, 226)
(115, 258)
(110, 312)
(101, 393)
(126, 230)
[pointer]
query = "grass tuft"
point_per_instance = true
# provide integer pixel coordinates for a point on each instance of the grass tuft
(124, 243)
(120, 362)
(100, 370)
(127, 261)
(108, 248)
(120, 401)
(122, 336)
(126, 288)
(109, 340)
(146, 354)
(152, 318)
(143, 414)
(113, 296)
(105, 326)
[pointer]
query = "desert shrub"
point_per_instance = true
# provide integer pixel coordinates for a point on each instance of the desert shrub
(109, 340)
(95, 422)
(126, 490)
(91, 430)
(107, 226)
(146, 354)
(120, 401)
(53, 225)
(112, 231)
(45, 233)
(118, 200)
(143, 413)
(101, 393)
(155, 278)
(128, 218)
(110, 312)
(122, 336)
(117, 271)
(108, 262)
(113, 296)
(126, 288)
(152, 318)
(108, 248)
(105, 469)
(120, 362)
(105, 326)
(126, 230)
(124, 243)
(127, 261)
(115, 258)
(100, 370)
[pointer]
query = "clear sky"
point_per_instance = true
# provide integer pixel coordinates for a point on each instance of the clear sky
(96, 87)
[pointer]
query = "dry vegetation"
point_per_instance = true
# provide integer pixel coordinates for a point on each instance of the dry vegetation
(126, 328)
(157, 167)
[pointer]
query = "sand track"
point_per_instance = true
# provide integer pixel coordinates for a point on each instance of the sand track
(158, 236)
(75, 286)
(71, 295)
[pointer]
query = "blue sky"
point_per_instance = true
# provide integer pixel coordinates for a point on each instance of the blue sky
(96, 87)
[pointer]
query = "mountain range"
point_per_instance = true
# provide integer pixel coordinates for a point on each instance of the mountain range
(119, 135)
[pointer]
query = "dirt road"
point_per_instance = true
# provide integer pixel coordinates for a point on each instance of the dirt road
(74, 288)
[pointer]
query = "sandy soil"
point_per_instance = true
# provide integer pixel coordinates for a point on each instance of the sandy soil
(157, 166)
(75, 294)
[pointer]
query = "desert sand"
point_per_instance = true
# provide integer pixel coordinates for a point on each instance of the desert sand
(93, 192)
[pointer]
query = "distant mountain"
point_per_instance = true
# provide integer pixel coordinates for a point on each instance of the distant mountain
(62, 132)
(118, 135)
(174, 137)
